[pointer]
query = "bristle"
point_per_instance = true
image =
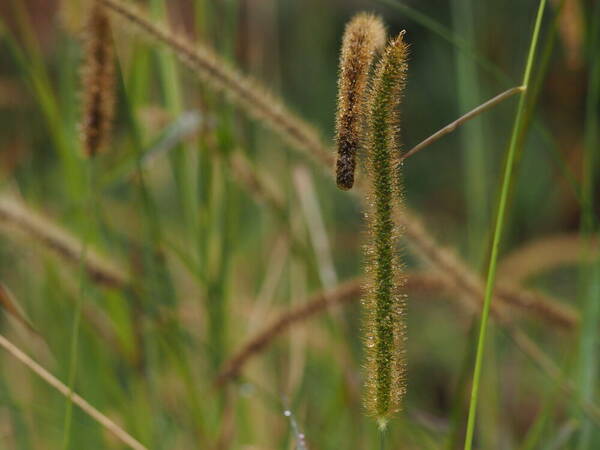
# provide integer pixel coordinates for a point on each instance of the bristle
(363, 37)
(384, 300)
(98, 82)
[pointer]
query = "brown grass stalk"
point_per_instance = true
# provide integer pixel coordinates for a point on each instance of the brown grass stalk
(242, 90)
(256, 184)
(545, 254)
(10, 304)
(449, 266)
(346, 292)
(86, 407)
(16, 217)
(417, 283)
(462, 120)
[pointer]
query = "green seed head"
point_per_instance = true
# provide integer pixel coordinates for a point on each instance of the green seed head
(384, 301)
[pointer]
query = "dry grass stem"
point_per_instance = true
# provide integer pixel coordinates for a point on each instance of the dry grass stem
(255, 183)
(241, 89)
(448, 265)
(546, 254)
(463, 119)
(417, 283)
(12, 306)
(347, 292)
(538, 305)
(103, 420)
(315, 224)
(17, 217)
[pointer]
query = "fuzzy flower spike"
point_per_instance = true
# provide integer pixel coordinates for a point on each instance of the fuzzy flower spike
(98, 80)
(364, 36)
(384, 301)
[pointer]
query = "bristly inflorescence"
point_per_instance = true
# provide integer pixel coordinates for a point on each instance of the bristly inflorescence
(98, 81)
(383, 298)
(364, 36)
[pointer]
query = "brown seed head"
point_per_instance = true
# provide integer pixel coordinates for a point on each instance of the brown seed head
(364, 36)
(98, 82)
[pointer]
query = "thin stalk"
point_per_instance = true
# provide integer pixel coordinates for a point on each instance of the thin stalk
(74, 350)
(96, 415)
(463, 119)
(500, 219)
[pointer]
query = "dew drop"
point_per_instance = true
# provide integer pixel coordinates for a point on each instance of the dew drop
(287, 413)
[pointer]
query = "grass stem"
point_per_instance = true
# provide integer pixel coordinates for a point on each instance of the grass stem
(73, 356)
(462, 120)
(103, 420)
(500, 219)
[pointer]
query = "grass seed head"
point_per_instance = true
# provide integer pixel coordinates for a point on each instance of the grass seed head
(98, 82)
(364, 36)
(384, 301)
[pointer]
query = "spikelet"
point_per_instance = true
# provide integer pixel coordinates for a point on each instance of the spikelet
(364, 36)
(383, 298)
(98, 82)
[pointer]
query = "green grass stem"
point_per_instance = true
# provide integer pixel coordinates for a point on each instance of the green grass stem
(87, 213)
(499, 224)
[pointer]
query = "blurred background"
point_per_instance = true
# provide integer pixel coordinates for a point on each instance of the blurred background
(203, 260)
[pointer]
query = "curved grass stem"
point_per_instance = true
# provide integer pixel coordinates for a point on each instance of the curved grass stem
(500, 219)
(462, 120)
